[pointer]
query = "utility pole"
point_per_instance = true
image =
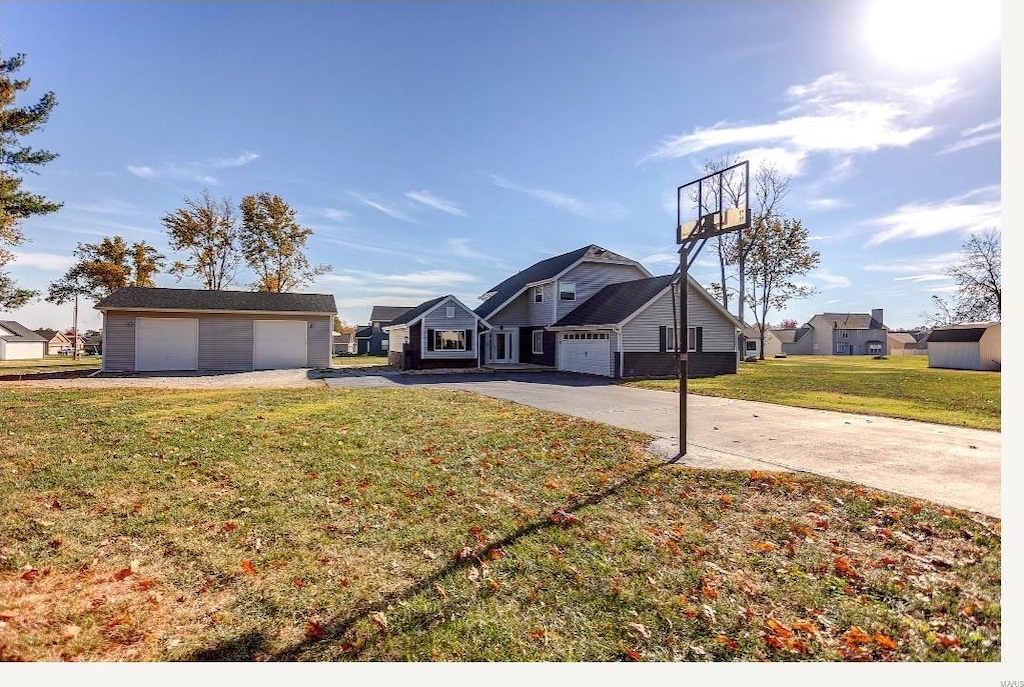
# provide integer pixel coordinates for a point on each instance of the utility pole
(74, 329)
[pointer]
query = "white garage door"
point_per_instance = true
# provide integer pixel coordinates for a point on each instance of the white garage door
(166, 343)
(587, 352)
(278, 344)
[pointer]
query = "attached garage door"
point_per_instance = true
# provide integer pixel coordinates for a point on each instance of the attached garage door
(166, 343)
(587, 352)
(279, 344)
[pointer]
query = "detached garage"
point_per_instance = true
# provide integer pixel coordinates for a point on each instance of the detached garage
(157, 330)
(20, 343)
(973, 346)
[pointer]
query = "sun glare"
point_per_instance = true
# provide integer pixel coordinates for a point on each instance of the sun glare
(931, 34)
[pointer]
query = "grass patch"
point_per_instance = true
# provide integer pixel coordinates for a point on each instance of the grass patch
(352, 361)
(50, 363)
(428, 525)
(901, 387)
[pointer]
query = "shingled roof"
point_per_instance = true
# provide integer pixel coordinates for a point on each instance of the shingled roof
(17, 332)
(413, 313)
(138, 298)
(956, 334)
(615, 302)
(385, 314)
(852, 320)
(539, 271)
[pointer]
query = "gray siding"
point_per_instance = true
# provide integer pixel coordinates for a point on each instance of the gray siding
(641, 334)
(119, 341)
(517, 313)
(591, 277)
(225, 343)
(225, 340)
(464, 319)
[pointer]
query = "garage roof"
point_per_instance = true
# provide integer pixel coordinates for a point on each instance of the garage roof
(13, 331)
(138, 298)
(958, 335)
(615, 302)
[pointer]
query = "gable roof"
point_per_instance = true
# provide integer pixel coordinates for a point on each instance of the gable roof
(754, 332)
(539, 271)
(785, 335)
(615, 302)
(364, 332)
(850, 320)
(344, 337)
(902, 337)
(12, 331)
(959, 333)
(413, 313)
(387, 313)
(139, 298)
(47, 333)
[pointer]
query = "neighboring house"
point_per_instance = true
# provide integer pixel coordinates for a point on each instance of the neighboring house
(627, 329)
(20, 343)
(622, 331)
(441, 332)
(902, 343)
(970, 346)
(752, 342)
(363, 336)
(840, 334)
(93, 344)
(380, 317)
(59, 343)
(344, 343)
(184, 329)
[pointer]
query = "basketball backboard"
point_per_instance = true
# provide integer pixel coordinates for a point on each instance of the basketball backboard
(713, 205)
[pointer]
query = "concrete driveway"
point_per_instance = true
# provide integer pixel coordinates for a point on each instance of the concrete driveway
(948, 465)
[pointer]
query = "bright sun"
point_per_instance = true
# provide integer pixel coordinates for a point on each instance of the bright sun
(931, 34)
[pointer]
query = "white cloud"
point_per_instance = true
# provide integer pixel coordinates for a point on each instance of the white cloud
(829, 115)
(50, 262)
(827, 203)
(423, 278)
(431, 201)
(832, 281)
(661, 259)
(975, 210)
(237, 161)
(388, 210)
(918, 278)
(335, 214)
(564, 201)
(916, 265)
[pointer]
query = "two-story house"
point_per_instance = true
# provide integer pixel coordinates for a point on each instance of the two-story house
(840, 334)
(376, 340)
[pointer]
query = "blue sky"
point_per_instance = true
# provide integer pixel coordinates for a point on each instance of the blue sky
(439, 147)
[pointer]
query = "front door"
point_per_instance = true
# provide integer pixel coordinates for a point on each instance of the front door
(501, 347)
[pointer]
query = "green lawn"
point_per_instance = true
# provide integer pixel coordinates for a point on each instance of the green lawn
(428, 525)
(901, 386)
(50, 363)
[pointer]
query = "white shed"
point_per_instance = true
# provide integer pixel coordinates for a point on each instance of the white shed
(971, 346)
(20, 343)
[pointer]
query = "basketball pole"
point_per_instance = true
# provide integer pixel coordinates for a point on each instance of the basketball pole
(682, 337)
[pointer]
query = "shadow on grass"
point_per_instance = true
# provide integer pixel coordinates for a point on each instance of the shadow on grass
(253, 645)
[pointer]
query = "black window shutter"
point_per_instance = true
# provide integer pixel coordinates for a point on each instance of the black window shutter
(662, 339)
(469, 339)
(430, 339)
(700, 339)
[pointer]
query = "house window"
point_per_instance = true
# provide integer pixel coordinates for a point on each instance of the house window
(844, 334)
(875, 348)
(567, 291)
(538, 294)
(449, 311)
(538, 341)
(691, 339)
(751, 345)
(454, 340)
(841, 348)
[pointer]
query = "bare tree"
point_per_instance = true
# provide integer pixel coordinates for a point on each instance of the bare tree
(978, 277)
(208, 232)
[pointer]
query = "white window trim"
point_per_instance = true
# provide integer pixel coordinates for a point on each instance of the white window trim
(535, 340)
(691, 339)
(538, 294)
(449, 311)
(437, 339)
(562, 292)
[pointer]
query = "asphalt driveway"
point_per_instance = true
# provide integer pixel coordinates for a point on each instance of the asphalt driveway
(948, 465)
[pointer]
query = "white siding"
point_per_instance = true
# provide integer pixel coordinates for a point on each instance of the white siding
(22, 350)
(641, 334)
(397, 337)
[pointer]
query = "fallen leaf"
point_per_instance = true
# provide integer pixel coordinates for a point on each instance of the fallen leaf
(380, 620)
(70, 631)
(121, 574)
(639, 629)
(632, 655)
(463, 554)
(844, 568)
(314, 629)
(764, 546)
(884, 641)
(247, 567)
(947, 641)
(428, 554)
(778, 628)
(440, 591)
(731, 643)
(804, 626)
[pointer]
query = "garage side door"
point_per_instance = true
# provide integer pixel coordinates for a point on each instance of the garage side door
(279, 344)
(166, 343)
(586, 352)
